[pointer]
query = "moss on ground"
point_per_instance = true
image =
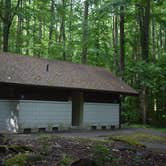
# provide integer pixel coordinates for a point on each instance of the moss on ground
(126, 139)
(66, 160)
(22, 159)
(138, 137)
(144, 127)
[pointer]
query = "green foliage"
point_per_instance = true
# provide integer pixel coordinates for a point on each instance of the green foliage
(127, 139)
(44, 137)
(137, 138)
(66, 160)
(153, 76)
(102, 154)
(131, 117)
(22, 159)
(130, 113)
(36, 30)
(18, 160)
(145, 126)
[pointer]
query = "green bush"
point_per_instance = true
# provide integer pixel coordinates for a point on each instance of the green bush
(130, 111)
(66, 160)
(158, 118)
(22, 159)
(102, 155)
(130, 117)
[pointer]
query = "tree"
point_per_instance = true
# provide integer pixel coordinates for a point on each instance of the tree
(7, 19)
(126, 37)
(85, 32)
(122, 43)
(144, 20)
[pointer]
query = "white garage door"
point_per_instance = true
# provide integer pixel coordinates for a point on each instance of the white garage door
(35, 114)
(101, 114)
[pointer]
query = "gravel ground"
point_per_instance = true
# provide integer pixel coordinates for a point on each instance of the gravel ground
(46, 149)
(102, 135)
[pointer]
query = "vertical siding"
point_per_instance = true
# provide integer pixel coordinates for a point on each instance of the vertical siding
(36, 114)
(101, 114)
(8, 116)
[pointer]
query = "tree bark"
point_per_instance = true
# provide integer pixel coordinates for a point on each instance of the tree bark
(122, 47)
(144, 20)
(62, 36)
(85, 32)
(7, 21)
(51, 26)
(19, 31)
(70, 31)
(144, 103)
(6, 24)
(115, 44)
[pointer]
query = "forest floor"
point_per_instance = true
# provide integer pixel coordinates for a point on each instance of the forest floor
(85, 148)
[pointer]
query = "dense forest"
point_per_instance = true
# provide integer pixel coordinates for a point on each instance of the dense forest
(128, 37)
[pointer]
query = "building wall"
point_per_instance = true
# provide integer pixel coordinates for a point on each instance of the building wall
(101, 114)
(48, 114)
(8, 116)
(44, 114)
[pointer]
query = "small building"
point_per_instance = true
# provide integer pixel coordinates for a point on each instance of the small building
(41, 94)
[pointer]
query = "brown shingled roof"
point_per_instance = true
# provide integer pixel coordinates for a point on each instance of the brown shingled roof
(33, 71)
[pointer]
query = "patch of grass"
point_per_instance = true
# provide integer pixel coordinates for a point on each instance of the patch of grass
(127, 139)
(140, 136)
(66, 160)
(138, 126)
(137, 138)
(22, 159)
(45, 149)
(44, 137)
(144, 126)
(102, 155)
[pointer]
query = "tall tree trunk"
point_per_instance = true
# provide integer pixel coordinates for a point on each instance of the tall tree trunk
(62, 36)
(40, 35)
(27, 30)
(85, 32)
(19, 30)
(115, 44)
(144, 29)
(51, 27)
(34, 35)
(153, 40)
(122, 48)
(7, 21)
(27, 25)
(70, 31)
(6, 24)
(144, 19)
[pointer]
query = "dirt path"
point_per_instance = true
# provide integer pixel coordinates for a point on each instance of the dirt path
(103, 135)
(100, 134)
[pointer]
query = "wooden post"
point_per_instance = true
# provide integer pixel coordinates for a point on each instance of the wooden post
(77, 109)
(120, 112)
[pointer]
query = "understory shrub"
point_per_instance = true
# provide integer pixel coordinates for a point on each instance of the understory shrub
(22, 159)
(102, 154)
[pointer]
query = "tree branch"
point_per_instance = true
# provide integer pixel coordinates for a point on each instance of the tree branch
(15, 10)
